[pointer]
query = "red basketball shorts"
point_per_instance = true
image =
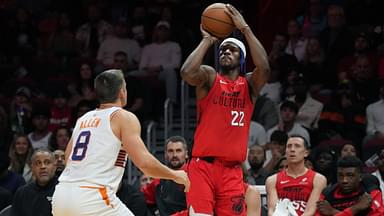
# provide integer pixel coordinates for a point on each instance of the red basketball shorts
(216, 187)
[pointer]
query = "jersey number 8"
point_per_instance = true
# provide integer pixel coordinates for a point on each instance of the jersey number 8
(81, 146)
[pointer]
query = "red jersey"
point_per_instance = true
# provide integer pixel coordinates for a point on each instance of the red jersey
(224, 117)
(297, 189)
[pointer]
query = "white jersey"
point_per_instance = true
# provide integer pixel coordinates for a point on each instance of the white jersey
(97, 157)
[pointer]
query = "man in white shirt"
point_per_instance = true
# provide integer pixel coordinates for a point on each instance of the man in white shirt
(375, 117)
(288, 113)
(309, 108)
(119, 42)
(161, 58)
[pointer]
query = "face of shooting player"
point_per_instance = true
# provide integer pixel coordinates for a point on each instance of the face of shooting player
(175, 155)
(229, 56)
(348, 179)
(295, 150)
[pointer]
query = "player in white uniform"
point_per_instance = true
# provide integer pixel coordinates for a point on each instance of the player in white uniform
(97, 153)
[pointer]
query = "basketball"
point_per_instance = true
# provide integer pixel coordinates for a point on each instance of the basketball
(216, 21)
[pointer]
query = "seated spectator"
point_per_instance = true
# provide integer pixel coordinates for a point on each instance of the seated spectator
(167, 196)
(265, 112)
(343, 117)
(40, 135)
(20, 110)
(82, 107)
(257, 134)
(296, 42)
(288, 83)
(59, 161)
(364, 81)
(91, 34)
(119, 41)
(136, 92)
(272, 89)
(298, 184)
(288, 113)
(279, 59)
(82, 87)
(61, 113)
(133, 199)
(375, 117)
(20, 153)
(144, 180)
(314, 21)
(353, 194)
(275, 149)
(309, 108)
(348, 149)
(35, 198)
(361, 47)
(63, 41)
(59, 139)
(336, 40)
(9, 180)
(161, 59)
(256, 174)
(280, 165)
(379, 173)
(325, 160)
(313, 63)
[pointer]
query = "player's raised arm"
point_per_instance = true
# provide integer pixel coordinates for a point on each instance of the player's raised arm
(132, 143)
(192, 71)
(259, 56)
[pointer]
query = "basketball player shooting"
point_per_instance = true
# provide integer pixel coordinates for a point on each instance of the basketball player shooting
(225, 101)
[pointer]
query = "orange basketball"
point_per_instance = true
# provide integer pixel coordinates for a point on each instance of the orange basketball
(216, 21)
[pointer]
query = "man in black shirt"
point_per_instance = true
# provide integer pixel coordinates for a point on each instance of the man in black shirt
(34, 199)
(354, 194)
(167, 196)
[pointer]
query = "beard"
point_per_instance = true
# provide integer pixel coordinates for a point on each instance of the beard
(256, 166)
(175, 165)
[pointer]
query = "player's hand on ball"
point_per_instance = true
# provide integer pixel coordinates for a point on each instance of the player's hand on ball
(182, 178)
(206, 34)
(237, 18)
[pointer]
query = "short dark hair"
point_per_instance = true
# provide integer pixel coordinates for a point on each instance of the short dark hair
(279, 136)
(42, 150)
(120, 53)
(350, 161)
(290, 105)
(305, 141)
(108, 85)
(177, 139)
